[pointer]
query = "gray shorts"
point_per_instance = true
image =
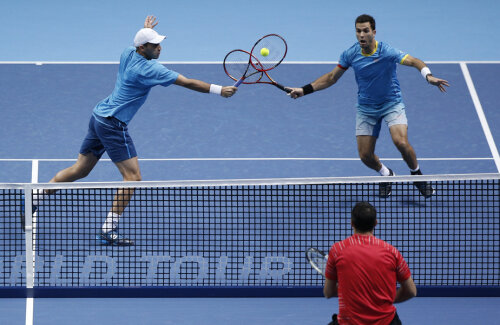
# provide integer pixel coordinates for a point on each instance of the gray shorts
(370, 124)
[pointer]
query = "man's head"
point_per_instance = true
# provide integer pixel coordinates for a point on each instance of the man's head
(363, 217)
(365, 32)
(147, 41)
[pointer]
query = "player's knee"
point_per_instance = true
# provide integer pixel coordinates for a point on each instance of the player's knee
(366, 156)
(402, 144)
(80, 171)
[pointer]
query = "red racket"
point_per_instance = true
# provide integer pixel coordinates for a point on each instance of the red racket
(249, 68)
(241, 69)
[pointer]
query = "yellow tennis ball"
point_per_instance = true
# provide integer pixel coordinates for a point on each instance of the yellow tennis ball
(264, 51)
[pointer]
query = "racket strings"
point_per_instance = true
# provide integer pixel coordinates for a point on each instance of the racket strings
(277, 52)
(236, 65)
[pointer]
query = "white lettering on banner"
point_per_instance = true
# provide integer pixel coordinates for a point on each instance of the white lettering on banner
(94, 278)
(221, 275)
(95, 270)
(55, 271)
(154, 260)
(178, 277)
(269, 269)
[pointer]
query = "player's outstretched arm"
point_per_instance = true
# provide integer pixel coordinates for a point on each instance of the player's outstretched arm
(204, 87)
(426, 72)
(325, 81)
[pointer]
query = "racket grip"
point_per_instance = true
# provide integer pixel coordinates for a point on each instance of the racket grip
(280, 86)
(237, 83)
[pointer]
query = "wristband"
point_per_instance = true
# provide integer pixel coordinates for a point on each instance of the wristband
(425, 72)
(215, 89)
(308, 89)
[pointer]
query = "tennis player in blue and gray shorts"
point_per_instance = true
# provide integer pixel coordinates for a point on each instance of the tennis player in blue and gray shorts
(379, 98)
(138, 73)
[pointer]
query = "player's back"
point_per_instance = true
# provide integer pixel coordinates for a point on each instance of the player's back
(367, 272)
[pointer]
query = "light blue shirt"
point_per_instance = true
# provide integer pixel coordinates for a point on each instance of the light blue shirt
(136, 77)
(375, 75)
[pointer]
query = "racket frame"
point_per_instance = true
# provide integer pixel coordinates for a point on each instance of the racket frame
(310, 252)
(255, 47)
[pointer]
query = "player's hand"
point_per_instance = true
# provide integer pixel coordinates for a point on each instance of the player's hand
(440, 83)
(150, 22)
(228, 91)
(296, 92)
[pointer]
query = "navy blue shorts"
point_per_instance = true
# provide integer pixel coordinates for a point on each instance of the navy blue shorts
(110, 135)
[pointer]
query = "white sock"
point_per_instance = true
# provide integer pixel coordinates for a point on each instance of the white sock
(414, 170)
(384, 171)
(111, 222)
(38, 196)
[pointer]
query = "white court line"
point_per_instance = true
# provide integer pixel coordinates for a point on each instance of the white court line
(30, 300)
(220, 62)
(248, 159)
(480, 113)
(29, 311)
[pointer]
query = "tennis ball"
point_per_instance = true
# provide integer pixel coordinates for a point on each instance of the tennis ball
(264, 51)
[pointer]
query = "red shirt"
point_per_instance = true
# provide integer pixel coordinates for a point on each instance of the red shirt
(366, 269)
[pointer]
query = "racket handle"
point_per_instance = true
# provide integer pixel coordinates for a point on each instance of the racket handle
(280, 86)
(237, 83)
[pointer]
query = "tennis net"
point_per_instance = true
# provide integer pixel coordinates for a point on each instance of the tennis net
(246, 233)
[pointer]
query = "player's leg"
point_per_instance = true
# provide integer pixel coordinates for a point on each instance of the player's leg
(120, 148)
(366, 151)
(399, 135)
(80, 169)
(131, 172)
(367, 132)
(90, 153)
(398, 127)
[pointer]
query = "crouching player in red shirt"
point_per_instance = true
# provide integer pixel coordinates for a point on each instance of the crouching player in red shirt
(362, 271)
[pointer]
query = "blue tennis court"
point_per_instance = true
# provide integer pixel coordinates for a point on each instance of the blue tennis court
(258, 133)
(261, 133)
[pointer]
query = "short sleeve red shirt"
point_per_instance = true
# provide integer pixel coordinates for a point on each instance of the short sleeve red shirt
(366, 269)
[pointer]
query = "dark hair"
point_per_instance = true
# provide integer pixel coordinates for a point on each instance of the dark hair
(366, 19)
(364, 216)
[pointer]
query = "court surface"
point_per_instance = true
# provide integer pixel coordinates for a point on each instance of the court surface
(259, 133)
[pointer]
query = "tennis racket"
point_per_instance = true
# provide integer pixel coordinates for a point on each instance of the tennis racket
(317, 259)
(257, 61)
(245, 68)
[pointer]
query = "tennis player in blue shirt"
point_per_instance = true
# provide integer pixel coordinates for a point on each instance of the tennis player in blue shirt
(138, 73)
(379, 98)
